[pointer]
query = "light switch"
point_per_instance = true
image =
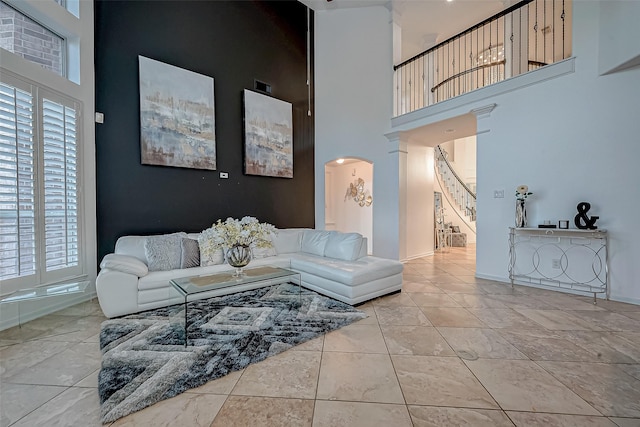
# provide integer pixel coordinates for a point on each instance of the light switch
(99, 117)
(224, 175)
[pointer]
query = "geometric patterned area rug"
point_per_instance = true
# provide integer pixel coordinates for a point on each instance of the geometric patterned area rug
(144, 359)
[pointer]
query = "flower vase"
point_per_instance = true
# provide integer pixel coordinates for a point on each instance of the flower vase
(238, 256)
(521, 213)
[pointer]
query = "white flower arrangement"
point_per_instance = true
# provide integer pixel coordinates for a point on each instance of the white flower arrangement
(246, 231)
(522, 192)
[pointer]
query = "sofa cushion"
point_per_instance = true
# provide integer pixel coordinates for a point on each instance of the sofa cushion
(288, 240)
(345, 246)
(131, 246)
(258, 253)
(347, 272)
(163, 252)
(314, 241)
(189, 253)
(125, 263)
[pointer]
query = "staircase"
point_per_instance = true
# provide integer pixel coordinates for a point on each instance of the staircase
(457, 192)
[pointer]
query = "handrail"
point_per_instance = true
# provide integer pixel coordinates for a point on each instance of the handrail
(445, 194)
(471, 70)
(468, 30)
(442, 156)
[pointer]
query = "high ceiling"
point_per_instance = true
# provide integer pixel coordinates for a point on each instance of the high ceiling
(424, 23)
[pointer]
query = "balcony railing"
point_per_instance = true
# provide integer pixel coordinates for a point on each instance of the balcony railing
(522, 38)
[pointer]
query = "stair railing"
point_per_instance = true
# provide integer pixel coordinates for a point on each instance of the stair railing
(461, 193)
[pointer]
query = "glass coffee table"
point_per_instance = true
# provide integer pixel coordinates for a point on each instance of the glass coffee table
(47, 291)
(226, 283)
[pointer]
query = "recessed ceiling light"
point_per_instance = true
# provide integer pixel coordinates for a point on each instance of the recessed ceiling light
(340, 161)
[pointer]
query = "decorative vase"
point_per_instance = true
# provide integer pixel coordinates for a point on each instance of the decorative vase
(521, 213)
(238, 256)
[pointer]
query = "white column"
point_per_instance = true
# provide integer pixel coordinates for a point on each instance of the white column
(398, 156)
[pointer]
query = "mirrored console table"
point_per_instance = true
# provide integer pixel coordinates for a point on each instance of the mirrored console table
(562, 258)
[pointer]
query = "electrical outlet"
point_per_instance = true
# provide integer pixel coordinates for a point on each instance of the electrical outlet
(555, 263)
(498, 194)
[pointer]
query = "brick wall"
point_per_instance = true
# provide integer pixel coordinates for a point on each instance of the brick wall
(30, 40)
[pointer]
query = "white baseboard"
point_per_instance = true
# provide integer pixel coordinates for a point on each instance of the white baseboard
(613, 297)
(431, 253)
(494, 278)
(635, 301)
(31, 310)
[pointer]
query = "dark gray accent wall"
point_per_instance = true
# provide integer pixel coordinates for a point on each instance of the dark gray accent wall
(235, 42)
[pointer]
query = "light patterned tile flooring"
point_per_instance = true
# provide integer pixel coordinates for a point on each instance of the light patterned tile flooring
(449, 350)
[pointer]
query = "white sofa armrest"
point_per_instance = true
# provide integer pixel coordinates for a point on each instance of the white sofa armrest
(124, 264)
(117, 292)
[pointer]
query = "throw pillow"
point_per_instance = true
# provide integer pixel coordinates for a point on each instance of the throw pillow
(190, 253)
(257, 253)
(209, 254)
(163, 252)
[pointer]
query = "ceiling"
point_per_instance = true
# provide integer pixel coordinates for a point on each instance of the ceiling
(424, 23)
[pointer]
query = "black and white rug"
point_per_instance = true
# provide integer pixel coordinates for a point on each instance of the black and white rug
(144, 359)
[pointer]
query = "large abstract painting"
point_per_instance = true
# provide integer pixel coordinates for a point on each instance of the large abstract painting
(268, 136)
(177, 121)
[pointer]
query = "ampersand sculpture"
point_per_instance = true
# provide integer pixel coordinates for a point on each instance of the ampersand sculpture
(582, 221)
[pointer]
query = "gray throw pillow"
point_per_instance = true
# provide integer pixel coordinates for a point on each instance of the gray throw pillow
(163, 252)
(190, 256)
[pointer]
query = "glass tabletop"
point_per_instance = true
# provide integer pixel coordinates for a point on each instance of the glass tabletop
(196, 284)
(45, 291)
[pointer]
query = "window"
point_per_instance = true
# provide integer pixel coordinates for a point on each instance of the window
(39, 229)
(30, 40)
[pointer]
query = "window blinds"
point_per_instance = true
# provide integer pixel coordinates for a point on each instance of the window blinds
(39, 216)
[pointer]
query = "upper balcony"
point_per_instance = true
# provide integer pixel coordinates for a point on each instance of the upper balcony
(524, 37)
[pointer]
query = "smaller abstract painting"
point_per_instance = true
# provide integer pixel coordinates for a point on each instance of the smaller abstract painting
(177, 121)
(268, 136)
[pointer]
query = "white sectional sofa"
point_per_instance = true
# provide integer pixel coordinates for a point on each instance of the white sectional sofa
(329, 262)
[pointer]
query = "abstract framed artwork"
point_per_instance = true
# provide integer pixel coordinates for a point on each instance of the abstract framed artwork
(177, 116)
(268, 136)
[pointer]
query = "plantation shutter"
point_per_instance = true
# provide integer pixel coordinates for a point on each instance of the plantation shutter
(17, 184)
(60, 185)
(40, 233)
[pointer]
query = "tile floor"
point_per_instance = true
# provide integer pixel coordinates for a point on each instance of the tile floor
(449, 350)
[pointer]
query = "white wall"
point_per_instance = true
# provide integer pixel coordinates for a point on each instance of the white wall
(583, 151)
(618, 46)
(570, 139)
(347, 215)
(353, 99)
(81, 86)
(420, 204)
